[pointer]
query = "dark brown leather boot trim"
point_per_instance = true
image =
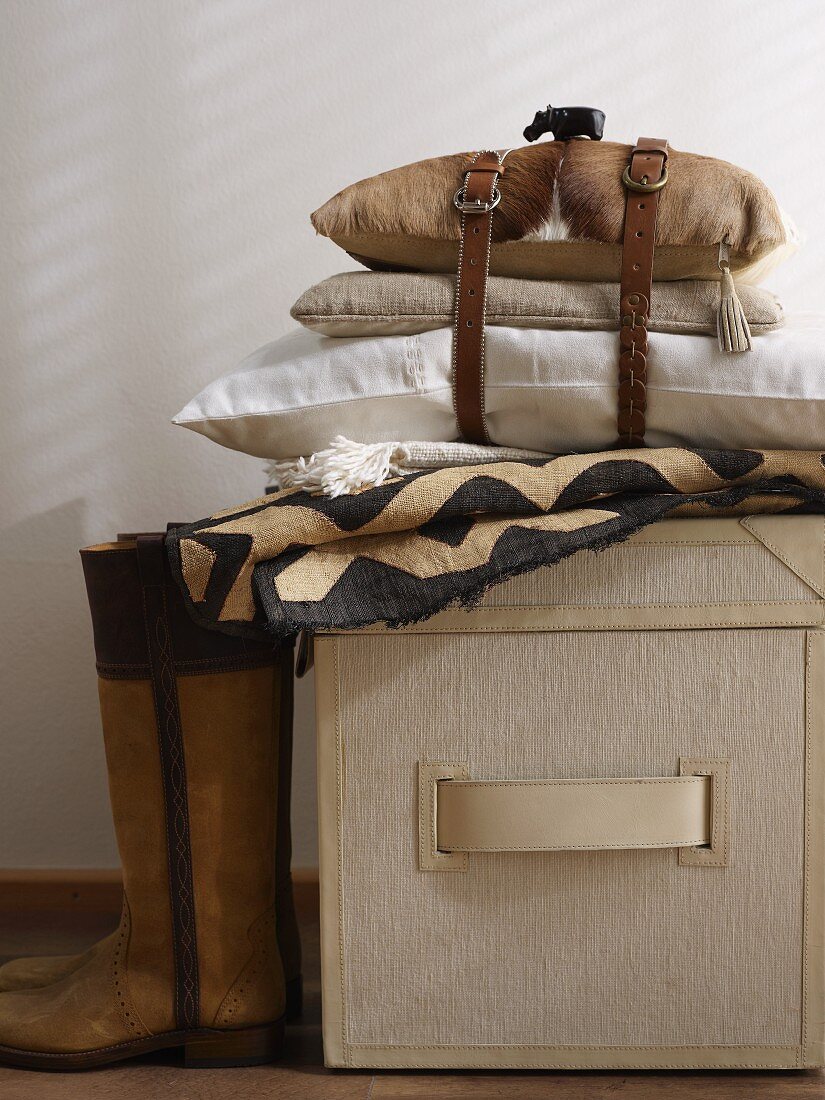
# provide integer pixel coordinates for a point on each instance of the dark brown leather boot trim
(151, 557)
(113, 584)
(121, 671)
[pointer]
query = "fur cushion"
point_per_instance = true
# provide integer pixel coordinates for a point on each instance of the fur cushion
(561, 216)
(372, 303)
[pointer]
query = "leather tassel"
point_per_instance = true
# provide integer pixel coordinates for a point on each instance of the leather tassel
(731, 322)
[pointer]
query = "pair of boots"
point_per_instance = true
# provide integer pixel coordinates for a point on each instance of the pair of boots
(197, 728)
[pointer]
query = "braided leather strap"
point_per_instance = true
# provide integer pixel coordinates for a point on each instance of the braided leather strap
(476, 201)
(151, 557)
(643, 178)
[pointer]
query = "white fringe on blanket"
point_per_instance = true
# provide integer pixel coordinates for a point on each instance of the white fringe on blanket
(348, 467)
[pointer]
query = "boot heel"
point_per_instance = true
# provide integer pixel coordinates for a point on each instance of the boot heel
(249, 1046)
(294, 998)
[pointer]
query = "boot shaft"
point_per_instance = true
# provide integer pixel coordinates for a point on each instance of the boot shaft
(190, 725)
(116, 601)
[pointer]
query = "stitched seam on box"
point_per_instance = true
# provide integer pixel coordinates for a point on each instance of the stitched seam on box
(520, 784)
(749, 544)
(421, 810)
(555, 608)
(805, 926)
(431, 812)
(570, 1046)
(816, 585)
(563, 1065)
(720, 792)
(339, 795)
(435, 860)
(724, 800)
(677, 842)
(646, 606)
(598, 625)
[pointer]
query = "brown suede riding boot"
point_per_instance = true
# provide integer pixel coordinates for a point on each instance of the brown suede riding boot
(188, 721)
(38, 971)
(41, 970)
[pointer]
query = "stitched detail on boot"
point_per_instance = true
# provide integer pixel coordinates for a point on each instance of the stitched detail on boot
(110, 670)
(173, 768)
(185, 911)
(120, 980)
(257, 995)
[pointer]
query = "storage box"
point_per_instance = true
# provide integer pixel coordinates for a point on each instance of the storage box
(581, 825)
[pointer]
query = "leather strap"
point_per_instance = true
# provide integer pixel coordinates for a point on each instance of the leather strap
(558, 814)
(476, 201)
(152, 566)
(644, 177)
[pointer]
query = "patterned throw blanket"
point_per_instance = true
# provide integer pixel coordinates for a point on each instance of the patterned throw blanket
(399, 552)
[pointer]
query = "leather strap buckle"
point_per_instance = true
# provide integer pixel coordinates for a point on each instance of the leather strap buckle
(645, 187)
(475, 201)
(475, 206)
(649, 155)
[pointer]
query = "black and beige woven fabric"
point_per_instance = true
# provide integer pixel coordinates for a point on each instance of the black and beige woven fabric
(404, 550)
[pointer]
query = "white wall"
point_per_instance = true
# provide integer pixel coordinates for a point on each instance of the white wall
(158, 160)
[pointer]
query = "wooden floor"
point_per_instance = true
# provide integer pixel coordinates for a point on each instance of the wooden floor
(301, 1075)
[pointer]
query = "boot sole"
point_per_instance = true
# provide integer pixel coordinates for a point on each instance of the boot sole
(204, 1048)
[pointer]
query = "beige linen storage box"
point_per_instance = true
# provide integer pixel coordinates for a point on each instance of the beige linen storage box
(582, 824)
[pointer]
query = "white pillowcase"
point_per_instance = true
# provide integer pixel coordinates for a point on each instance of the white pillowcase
(547, 390)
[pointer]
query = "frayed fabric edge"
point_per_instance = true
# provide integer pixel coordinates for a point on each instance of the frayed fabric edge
(347, 466)
(614, 532)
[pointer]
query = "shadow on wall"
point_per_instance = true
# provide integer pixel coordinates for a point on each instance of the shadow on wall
(128, 287)
(60, 380)
(160, 161)
(54, 805)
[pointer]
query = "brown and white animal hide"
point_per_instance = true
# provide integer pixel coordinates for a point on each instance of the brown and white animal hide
(556, 194)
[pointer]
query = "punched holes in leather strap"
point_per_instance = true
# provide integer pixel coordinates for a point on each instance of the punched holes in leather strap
(632, 393)
(631, 424)
(632, 364)
(634, 304)
(643, 177)
(635, 310)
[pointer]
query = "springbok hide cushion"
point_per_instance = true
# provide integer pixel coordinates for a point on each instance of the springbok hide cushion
(546, 389)
(372, 303)
(561, 216)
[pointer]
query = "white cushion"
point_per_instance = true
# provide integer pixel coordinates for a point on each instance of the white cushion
(548, 390)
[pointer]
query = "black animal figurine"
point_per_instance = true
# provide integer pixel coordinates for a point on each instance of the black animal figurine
(567, 122)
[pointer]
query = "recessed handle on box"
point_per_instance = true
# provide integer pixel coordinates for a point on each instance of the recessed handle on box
(459, 815)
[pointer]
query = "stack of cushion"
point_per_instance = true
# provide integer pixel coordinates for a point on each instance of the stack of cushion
(372, 359)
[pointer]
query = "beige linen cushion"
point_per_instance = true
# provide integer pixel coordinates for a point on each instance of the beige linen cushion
(561, 216)
(362, 303)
